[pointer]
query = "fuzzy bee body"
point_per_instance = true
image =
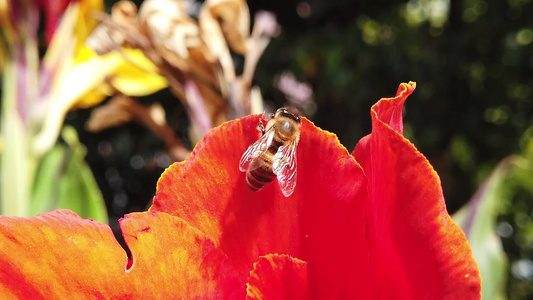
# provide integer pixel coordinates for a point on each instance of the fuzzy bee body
(273, 155)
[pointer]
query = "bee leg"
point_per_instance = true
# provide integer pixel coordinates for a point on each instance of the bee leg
(261, 127)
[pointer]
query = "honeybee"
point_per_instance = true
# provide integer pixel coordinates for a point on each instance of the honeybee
(274, 153)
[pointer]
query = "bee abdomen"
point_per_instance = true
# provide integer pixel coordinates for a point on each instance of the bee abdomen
(259, 178)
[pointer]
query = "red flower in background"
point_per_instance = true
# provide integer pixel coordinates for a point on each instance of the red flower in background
(377, 229)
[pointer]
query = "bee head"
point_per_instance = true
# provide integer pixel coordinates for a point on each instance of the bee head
(289, 112)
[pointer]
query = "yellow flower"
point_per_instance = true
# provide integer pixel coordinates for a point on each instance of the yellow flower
(79, 78)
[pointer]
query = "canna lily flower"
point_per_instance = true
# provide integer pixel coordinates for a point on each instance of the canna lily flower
(367, 225)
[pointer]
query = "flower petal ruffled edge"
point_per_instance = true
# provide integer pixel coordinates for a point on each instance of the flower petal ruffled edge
(416, 248)
(278, 276)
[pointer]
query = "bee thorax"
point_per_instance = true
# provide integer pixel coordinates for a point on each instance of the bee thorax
(285, 129)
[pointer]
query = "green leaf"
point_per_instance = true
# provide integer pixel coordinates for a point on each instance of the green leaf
(478, 220)
(64, 180)
(45, 192)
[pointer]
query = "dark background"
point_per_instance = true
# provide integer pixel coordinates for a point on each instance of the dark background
(473, 103)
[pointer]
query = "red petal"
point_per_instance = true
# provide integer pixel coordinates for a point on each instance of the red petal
(278, 277)
(59, 255)
(417, 250)
(321, 222)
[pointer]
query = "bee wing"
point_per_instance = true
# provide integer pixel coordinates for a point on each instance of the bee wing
(284, 166)
(260, 146)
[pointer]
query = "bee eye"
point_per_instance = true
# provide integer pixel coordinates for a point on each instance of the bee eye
(291, 113)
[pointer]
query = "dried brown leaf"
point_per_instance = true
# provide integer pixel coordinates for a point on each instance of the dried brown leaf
(106, 38)
(233, 17)
(265, 28)
(176, 40)
(184, 51)
(124, 13)
(213, 37)
(111, 114)
(167, 25)
(157, 113)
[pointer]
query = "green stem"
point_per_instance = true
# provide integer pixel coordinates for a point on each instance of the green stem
(15, 181)
(20, 91)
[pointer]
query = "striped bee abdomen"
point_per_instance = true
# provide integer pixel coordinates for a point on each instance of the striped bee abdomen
(262, 176)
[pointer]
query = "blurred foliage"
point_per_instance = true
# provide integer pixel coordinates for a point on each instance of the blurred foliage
(501, 213)
(127, 160)
(478, 220)
(41, 81)
(64, 180)
(516, 220)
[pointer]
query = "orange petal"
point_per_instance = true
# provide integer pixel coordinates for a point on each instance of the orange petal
(58, 255)
(322, 222)
(417, 251)
(278, 277)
